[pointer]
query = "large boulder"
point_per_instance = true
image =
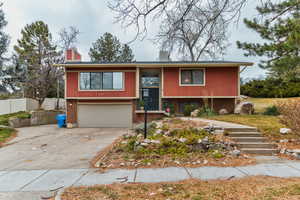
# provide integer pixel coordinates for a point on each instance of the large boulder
(223, 111)
(244, 108)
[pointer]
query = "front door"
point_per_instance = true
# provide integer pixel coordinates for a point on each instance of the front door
(151, 98)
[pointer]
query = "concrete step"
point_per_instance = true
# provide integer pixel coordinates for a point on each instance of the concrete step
(249, 139)
(240, 129)
(245, 134)
(259, 151)
(250, 145)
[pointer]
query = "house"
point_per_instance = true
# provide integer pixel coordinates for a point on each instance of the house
(109, 94)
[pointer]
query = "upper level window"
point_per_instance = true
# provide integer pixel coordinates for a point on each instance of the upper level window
(192, 76)
(101, 80)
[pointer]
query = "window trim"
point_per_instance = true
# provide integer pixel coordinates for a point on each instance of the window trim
(183, 69)
(102, 90)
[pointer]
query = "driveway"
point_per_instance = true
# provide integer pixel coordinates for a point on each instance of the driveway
(48, 147)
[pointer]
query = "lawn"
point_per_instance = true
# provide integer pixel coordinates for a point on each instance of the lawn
(249, 188)
(4, 118)
(260, 104)
(6, 134)
(268, 125)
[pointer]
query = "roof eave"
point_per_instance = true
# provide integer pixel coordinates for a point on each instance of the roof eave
(154, 64)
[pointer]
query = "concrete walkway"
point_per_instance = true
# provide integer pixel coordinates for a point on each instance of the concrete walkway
(217, 123)
(35, 183)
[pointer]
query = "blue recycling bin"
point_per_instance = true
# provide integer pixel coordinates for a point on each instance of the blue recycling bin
(61, 120)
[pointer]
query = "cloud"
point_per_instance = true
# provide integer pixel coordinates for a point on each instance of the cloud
(93, 18)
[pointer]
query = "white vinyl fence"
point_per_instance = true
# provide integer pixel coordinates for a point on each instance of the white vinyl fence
(15, 105)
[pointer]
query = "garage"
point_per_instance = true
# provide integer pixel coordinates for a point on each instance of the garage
(105, 115)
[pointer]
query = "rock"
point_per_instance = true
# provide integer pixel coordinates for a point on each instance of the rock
(144, 144)
(285, 130)
(223, 111)
(244, 108)
(199, 141)
(284, 141)
(283, 150)
(122, 164)
(177, 162)
(147, 141)
(182, 140)
(195, 113)
(205, 162)
(198, 162)
(235, 153)
(155, 141)
(158, 131)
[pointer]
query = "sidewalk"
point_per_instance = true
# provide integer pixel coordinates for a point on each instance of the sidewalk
(46, 180)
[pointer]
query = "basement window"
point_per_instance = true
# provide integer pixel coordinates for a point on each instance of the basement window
(101, 80)
(192, 77)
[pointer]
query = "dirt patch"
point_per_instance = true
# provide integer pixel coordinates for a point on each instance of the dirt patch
(249, 188)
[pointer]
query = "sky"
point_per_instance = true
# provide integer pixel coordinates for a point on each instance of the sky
(93, 18)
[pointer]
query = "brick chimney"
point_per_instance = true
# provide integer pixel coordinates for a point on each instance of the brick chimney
(72, 55)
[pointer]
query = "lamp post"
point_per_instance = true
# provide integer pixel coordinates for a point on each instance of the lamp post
(145, 94)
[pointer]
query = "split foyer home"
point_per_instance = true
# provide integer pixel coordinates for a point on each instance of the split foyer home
(113, 94)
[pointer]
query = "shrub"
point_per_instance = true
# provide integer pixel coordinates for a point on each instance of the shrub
(188, 108)
(271, 88)
(271, 110)
(169, 105)
(206, 111)
(290, 111)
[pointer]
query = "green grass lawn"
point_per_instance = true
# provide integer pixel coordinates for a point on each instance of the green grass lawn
(5, 134)
(4, 118)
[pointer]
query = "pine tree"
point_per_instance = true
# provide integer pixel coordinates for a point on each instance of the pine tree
(109, 49)
(37, 53)
(281, 32)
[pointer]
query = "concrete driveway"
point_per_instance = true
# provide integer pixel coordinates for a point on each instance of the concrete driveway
(48, 147)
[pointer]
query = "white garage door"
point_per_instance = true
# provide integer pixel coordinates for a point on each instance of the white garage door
(105, 115)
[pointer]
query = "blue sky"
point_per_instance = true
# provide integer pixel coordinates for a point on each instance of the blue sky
(93, 18)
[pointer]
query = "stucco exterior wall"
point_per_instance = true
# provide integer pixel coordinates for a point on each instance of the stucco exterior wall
(219, 82)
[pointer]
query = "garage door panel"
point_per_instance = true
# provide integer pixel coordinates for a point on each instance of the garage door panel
(105, 115)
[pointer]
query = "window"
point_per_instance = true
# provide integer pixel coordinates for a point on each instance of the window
(192, 77)
(101, 80)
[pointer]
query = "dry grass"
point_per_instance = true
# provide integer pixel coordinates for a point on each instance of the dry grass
(249, 188)
(260, 104)
(268, 125)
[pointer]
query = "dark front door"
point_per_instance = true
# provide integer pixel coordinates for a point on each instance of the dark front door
(151, 98)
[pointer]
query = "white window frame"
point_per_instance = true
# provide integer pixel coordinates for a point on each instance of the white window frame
(204, 75)
(89, 90)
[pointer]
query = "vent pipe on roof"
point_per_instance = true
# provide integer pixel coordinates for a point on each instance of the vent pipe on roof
(164, 56)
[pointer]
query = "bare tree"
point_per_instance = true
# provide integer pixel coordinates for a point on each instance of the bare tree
(201, 34)
(193, 27)
(68, 37)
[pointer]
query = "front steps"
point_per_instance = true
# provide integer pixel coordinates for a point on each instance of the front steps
(250, 141)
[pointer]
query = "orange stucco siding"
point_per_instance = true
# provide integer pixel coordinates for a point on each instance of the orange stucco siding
(219, 81)
(73, 88)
